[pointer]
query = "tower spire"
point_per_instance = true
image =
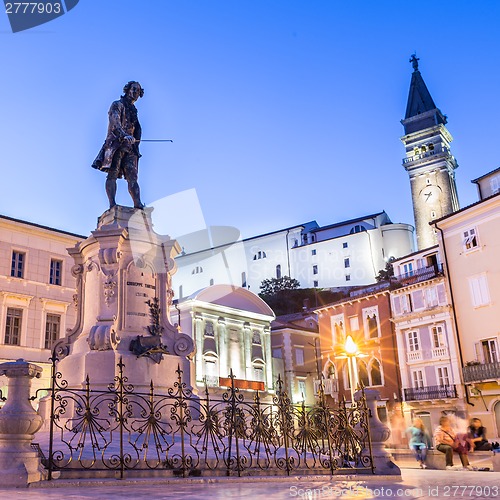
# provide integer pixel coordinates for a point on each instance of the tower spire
(419, 97)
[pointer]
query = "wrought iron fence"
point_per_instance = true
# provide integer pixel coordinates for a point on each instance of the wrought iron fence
(121, 429)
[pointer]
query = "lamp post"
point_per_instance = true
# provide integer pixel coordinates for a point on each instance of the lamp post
(351, 352)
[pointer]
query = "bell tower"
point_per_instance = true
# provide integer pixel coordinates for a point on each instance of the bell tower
(429, 162)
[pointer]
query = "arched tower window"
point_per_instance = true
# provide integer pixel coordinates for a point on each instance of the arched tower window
(278, 271)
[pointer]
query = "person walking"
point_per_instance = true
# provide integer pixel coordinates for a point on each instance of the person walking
(420, 441)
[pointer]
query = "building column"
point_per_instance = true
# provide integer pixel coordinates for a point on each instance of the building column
(198, 336)
(288, 365)
(247, 351)
(223, 347)
(266, 345)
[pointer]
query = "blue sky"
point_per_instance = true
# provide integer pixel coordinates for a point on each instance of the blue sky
(281, 111)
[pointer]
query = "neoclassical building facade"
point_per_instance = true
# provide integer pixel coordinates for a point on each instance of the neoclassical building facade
(231, 329)
(429, 358)
(37, 292)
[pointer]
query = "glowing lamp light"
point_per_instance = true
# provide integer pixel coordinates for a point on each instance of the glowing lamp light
(350, 346)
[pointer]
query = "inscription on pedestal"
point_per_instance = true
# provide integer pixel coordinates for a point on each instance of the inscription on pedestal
(141, 287)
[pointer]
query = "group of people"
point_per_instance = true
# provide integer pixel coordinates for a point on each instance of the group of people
(448, 441)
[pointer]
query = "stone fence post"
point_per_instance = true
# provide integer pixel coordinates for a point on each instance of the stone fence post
(19, 464)
(379, 434)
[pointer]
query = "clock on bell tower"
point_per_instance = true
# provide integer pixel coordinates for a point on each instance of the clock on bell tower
(429, 162)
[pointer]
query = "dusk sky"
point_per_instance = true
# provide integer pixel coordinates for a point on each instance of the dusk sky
(281, 111)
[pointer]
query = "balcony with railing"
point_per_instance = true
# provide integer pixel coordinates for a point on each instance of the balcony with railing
(330, 386)
(427, 354)
(482, 372)
(430, 393)
(425, 154)
(412, 356)
(439, 352)
(426, 273)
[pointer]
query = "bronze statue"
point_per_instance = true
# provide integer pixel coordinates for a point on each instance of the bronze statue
(119, 156)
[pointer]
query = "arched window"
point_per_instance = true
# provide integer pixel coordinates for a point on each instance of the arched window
(330, 371)
(260, 255)
(278, 271)
(243, 279)
(197, 270)
(358, 228)
(363, 374)
(338, 332)
(375, 373)
(211, 281)
(372, 326)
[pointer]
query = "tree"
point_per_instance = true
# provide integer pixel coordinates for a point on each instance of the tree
(274, 286)
(388, 273)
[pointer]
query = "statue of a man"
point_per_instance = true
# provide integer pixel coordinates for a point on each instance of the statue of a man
(119, 156)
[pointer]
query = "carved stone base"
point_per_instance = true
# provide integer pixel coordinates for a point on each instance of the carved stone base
(379, 434)
(101, 367)
(19, 465)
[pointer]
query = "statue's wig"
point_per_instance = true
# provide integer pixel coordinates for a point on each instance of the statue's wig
(129, 84)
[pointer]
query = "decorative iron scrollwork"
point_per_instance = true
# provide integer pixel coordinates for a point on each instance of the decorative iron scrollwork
(123, 429)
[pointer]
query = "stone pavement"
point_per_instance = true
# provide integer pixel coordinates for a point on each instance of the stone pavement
(421, 484)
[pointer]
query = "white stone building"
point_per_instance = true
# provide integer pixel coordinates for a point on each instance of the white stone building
(231, 329)
(348, 253)
(428, 353)
(36, 292)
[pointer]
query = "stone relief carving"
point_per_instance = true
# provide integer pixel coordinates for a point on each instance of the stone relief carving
(109, 286)
(102, 338)
(90, 265)
(183, 345)
(108, 256)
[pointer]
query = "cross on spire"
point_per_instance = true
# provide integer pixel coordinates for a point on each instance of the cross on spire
(414, 61)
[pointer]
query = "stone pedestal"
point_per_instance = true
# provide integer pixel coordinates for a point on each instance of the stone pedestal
(123, 269)
(379, 434)
(496, 462)
(19, 464)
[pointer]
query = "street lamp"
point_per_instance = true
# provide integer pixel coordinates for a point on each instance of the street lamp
(351, 352)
